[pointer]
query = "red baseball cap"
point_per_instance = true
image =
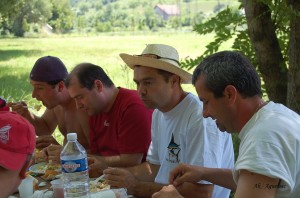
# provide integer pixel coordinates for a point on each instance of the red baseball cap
(17, 140)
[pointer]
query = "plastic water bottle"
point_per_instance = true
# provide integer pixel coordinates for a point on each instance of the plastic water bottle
(75, 168)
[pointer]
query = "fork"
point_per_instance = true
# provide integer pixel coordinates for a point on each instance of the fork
(99, 178)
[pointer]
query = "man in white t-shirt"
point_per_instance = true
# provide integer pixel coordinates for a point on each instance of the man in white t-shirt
(268, 164)
(180, 134)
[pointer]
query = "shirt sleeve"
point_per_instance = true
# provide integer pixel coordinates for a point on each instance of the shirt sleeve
(268, 159)
(152, 155)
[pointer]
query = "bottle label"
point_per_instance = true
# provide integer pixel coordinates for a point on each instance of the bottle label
(72, 166)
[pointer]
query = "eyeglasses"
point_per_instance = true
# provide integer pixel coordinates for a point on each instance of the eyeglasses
(157, 57)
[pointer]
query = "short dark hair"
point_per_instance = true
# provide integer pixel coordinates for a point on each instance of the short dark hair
(229, 68)
(165, 74)
(87, 73)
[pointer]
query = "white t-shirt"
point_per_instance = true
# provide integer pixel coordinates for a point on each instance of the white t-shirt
(270, 145)
(182, 135)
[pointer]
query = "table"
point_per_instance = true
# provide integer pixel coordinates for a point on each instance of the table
(48, 187)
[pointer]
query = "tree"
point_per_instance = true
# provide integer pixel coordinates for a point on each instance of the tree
(83, 8)
(269, 55)
(268, 32)
(293, 96)
(7, 6)
(62, 16)
(29, 11)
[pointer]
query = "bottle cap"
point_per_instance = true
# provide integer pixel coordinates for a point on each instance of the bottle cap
(71, 136)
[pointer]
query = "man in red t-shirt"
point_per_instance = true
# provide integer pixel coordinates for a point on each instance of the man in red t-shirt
(120, 124)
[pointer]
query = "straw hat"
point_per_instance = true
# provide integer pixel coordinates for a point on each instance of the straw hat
(158, 56)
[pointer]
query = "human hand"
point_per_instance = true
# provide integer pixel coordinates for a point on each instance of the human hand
(120, 178)
(96, 166)
(39, 156)
(45, 140)
(186, 173)
(53, 153)
(20, 108)
(167, 192)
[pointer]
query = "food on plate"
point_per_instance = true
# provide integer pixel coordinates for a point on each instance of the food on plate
(51, 166)
(98, 186)
(49, 170)
(50, 174)
(43, 167)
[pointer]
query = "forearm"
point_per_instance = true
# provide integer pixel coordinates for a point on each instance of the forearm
(221, 177)
(144, 189)
(196, 190)
(99, 163)
(41, 127)
(45, 124)
(133, 179)
(145, 171)
(123, 160)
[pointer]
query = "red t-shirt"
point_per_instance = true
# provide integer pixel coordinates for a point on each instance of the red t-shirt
(125, 129)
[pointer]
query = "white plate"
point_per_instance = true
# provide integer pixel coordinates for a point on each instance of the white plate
(40, 168)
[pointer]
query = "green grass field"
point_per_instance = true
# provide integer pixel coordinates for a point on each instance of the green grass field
(17, 57)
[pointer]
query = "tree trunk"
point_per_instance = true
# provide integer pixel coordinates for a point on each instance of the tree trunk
(269, 57)
(18, 26)
(293, 93)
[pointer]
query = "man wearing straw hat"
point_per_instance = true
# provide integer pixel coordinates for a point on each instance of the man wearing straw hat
(269, 152)
(180, 134)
